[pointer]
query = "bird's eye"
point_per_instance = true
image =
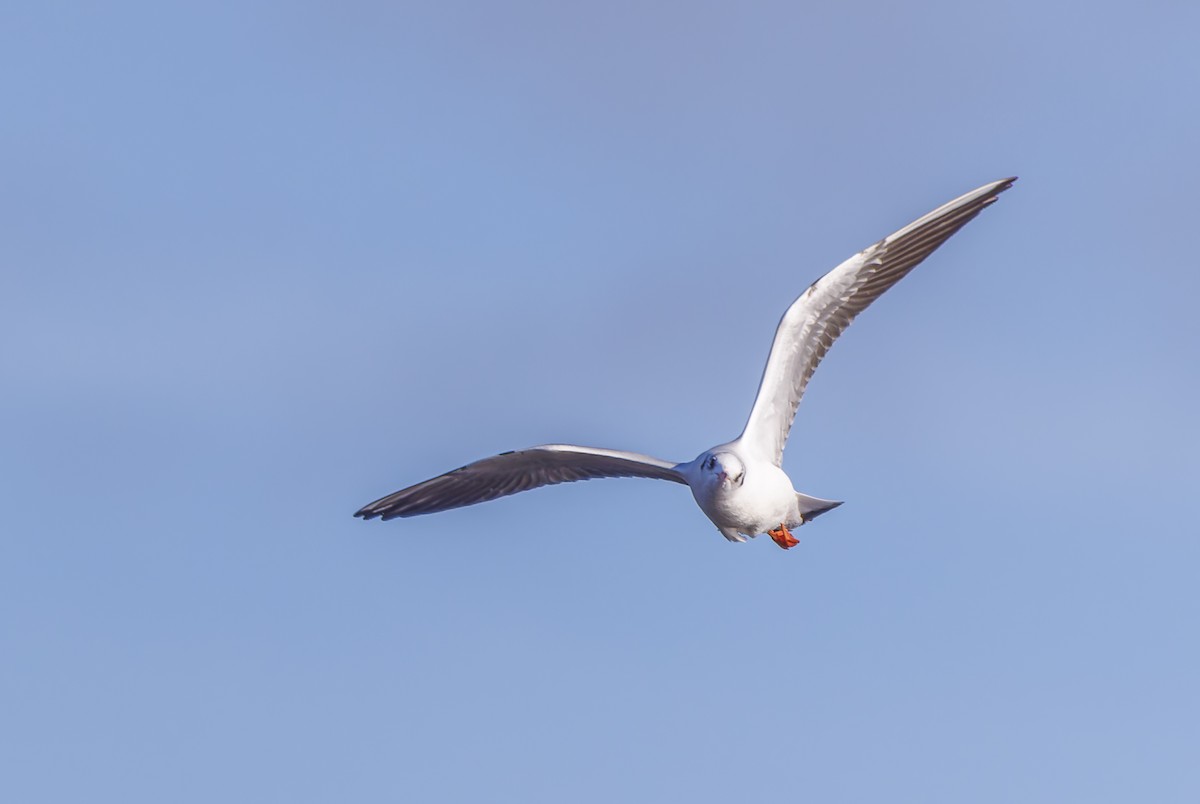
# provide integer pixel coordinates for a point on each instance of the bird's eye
(708, 463)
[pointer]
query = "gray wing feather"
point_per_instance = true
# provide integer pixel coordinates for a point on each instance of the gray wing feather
(815, 320)
(512, 472)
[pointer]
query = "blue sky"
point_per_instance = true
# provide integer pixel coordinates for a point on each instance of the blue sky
(266, 262)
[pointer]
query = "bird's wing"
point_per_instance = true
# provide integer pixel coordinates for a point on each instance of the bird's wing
(510, 472)
(822, 312)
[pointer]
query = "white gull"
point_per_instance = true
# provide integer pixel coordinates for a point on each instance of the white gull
(740, 485)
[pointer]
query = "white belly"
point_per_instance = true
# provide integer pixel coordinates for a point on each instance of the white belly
(764, 501)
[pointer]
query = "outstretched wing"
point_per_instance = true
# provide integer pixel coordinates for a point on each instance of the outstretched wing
(822, 312)
(510, 472)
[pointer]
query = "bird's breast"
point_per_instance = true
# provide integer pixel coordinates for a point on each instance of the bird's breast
(764, 500)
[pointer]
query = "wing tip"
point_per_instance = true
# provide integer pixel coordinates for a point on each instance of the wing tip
(382, 514)
(991, 192)
(380, 509)
(1003, 184)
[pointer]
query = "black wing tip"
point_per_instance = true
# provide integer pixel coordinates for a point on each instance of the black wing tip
(1004, 184)
(385, 512)
(375, 511)
(988, 198)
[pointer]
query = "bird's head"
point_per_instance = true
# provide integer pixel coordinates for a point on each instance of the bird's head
(725, 469)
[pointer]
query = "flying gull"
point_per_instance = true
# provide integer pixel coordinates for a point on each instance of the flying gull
(740, 485)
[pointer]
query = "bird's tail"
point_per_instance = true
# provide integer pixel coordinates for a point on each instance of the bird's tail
(813, 507)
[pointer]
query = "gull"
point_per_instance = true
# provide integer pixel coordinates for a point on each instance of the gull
(739, 485)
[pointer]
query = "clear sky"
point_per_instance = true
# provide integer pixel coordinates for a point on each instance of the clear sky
(264, 262)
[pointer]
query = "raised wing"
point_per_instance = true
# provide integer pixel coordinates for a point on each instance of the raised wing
(510, 472)
(822, 312)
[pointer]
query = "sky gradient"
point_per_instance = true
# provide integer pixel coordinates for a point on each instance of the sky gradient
(264, 263)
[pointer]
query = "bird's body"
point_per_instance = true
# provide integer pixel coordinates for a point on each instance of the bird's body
(739, 485)
(743, 496)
